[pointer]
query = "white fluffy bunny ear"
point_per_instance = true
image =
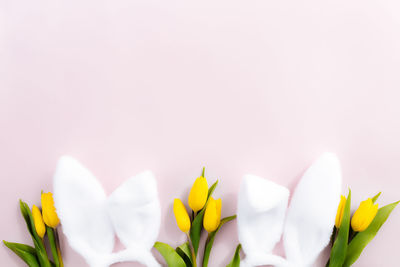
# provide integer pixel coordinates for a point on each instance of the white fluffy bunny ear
(260, 216)
(80, 203)
(312, 211)
(135, 212)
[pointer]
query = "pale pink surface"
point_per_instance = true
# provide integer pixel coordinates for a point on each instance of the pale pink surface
(253, 87)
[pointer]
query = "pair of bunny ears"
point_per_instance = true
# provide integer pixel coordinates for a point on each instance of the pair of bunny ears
(90, 219)
(263, 214)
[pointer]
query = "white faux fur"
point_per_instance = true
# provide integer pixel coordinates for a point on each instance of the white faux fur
(312, 211)
(309, 221)
(89, 219)
(261, 211)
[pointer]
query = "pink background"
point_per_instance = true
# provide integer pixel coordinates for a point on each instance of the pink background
(259, 87)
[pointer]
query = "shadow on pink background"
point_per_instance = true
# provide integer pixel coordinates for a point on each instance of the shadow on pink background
(259, 87)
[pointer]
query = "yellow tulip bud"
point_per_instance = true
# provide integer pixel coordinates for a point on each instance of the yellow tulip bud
(181, 216)
(50, 217)
(340, 211)
(364, 215)
(212, 215)
(198, 194)
(38, 221)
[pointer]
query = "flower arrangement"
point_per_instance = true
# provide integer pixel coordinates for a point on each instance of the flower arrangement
(316, 217)
(351, 234)
(206, 214)
(40, 224)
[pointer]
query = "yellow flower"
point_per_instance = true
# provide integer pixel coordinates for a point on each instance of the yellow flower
(198, 194)
(212, 215)
(364, 215)
(50, 217)
(38, 221)
(181, 216)
(340, 211)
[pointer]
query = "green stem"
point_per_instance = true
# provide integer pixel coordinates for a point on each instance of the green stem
(207, 250)
(41, 253)
(59, 249)
(53, 245)
(192, 250)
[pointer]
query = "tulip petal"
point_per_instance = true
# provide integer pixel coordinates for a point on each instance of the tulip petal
(80, 203)
(338, 251)
(261, 209)
(197, 224)
(135, 211)
(312, 211)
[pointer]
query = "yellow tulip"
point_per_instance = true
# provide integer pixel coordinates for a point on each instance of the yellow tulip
(364, 215)
(340, 211)
(198, 194)
(212, 215)
(50, 217)
(181, 216)
(38, 221)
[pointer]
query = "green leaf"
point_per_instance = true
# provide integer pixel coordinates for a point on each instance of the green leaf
(25, 252)
(37, 241)
(41, 253)
(236, 258)
(359, 242)
(53, 245)
(195, 230)
(19, 246)
(185, 253)
(211, 237)
(338, 252)
(197, 224)
(211, 190)
(25, 214)
(376, 197)
(172, 258)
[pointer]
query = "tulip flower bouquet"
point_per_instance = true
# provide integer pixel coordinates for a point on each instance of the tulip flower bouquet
(352, 234)
(40, 224)
(206, 213)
